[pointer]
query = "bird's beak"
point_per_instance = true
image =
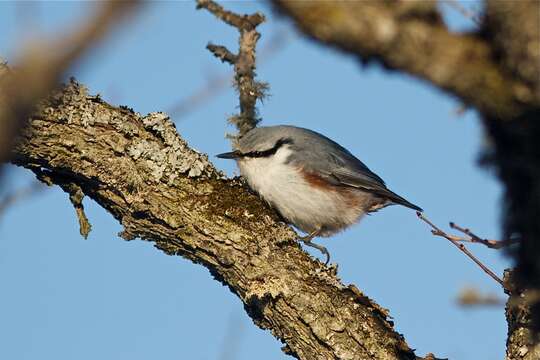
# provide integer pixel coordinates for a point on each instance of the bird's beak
(230, 155)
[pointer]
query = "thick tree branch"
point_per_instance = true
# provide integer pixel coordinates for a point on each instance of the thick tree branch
(409, 36)
(159, 189)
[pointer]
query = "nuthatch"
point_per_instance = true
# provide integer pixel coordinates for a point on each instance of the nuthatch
(314, 183)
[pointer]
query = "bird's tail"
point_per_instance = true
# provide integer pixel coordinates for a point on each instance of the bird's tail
(396, 199)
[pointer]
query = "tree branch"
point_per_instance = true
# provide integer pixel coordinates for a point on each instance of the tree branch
(456, 242)
(410, 36)
(160, 190)
(473, 238)
(215, 84)
(249, 90)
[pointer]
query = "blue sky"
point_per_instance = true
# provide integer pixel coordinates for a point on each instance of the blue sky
(64, 297)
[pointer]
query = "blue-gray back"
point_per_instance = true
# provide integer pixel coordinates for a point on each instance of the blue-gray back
(315, 153)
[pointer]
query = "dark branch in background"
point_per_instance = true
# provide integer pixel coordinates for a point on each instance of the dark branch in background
(249, 90)
(41, 67)
(456, 242)
(521, 343)
(216, 84)
(399, 34)
(514, 30)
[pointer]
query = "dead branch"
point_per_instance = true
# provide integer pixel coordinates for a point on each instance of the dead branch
(456, 241)
(244, 62)
(215, 84)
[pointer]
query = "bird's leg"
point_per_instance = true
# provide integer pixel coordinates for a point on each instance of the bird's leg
(308, 241)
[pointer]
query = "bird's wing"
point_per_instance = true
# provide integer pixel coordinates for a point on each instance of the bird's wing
(341, 168)
(347, 170)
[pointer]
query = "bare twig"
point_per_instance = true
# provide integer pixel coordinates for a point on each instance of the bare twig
(244, 62)
(40, 69)
(492, 244)
(215, 84)
(222, 53)
(456, 241)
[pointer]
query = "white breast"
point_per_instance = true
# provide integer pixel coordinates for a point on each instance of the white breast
(306, 207)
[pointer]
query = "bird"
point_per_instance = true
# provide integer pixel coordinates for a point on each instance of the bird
(314, 183)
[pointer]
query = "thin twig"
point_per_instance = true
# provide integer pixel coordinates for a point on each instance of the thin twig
(492, 244)
(456, 241)
(215, 84)
(222, 53)
(249, 90)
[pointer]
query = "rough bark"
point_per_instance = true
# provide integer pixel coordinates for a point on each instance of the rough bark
(146, 176)
(495, 69)
(520, 343)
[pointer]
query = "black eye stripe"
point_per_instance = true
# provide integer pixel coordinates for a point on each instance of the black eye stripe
(269, 152)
